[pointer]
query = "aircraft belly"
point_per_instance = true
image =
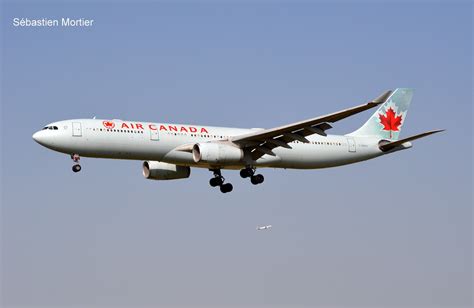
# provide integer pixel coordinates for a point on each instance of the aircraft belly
(186, 159)
(304, 156)
(118, 147)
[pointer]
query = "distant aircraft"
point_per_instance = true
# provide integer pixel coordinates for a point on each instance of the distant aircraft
(264, 227)
(170, 150)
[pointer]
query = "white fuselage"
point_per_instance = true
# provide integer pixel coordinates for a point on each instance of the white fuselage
(119, 139)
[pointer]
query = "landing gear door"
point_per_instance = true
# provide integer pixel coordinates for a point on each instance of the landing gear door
(154, 135)
(76, 129)
(351, 144)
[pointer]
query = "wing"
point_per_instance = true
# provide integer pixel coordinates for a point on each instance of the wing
(264, 141)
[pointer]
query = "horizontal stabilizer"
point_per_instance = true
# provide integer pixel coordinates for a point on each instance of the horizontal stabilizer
(391, 145)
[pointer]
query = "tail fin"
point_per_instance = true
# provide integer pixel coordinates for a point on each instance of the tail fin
(387, 121)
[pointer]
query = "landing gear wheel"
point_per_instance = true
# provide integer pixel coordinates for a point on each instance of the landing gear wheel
(75, 157)
(217, 181)
(225, 188)
(257, 179)
(247, 172)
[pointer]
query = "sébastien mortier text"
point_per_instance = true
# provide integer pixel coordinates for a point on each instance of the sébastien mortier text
(46, 22)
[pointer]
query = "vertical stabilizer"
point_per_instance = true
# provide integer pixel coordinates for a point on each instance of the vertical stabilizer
(387, 121)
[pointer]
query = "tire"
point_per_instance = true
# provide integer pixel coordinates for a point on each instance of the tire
(76, 168)
(254, 180)
(246, 173)
(216, 181)
(213, 182)
(225, 188)
(257, 179)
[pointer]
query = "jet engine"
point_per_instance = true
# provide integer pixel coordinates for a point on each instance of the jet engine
(213, 152)
(155, 170)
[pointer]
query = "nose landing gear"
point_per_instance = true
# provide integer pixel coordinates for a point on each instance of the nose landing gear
(76, 167)
(250, 173)
(218, 180)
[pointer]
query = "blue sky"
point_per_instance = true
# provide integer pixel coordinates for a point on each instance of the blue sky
(395, 231)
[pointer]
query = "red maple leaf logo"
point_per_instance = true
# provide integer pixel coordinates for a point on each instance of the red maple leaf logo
(108, 124)
(390, 120)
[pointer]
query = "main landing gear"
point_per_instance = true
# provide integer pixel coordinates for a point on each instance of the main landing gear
(76, 168)
(250, 173)
(218, 180)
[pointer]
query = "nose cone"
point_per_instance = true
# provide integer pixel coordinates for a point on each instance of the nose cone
(40, 137)
(36, 136)
(48, 138)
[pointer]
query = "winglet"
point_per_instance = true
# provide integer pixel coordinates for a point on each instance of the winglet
(382, 98)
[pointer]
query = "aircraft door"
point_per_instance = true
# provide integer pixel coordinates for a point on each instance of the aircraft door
(351, 143)
(76, 129)
(154, 135)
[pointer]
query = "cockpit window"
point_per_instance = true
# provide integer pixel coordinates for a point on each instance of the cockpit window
(50, 127)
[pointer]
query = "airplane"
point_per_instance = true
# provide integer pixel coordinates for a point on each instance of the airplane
(264, 228)
(169, 151)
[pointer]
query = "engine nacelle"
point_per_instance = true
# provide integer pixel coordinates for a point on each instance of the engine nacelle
(155, 170)
(215, 153)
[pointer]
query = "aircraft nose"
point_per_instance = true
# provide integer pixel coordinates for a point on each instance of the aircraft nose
(39, 137)
(36, 136)
(46, 138)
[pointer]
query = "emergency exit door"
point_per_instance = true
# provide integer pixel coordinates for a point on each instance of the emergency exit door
(76, 129)
(351, 144)
(154, 135)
